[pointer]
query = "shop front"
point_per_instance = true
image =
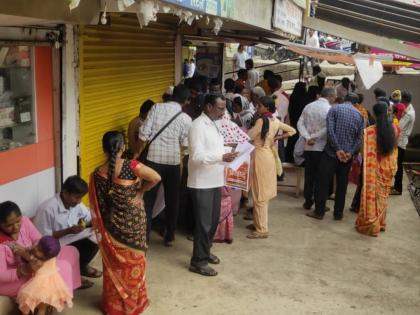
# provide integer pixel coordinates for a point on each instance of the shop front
(27, 149)
(121, 66)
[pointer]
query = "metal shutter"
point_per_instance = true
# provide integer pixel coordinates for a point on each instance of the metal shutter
(121, 66)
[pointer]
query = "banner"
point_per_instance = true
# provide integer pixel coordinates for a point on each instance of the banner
(238, 179)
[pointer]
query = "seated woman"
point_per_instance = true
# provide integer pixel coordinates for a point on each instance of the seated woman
(18, 230)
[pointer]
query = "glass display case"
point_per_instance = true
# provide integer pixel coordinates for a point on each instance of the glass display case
(17, 108)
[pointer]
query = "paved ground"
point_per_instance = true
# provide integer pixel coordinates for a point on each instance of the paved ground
(305, 267)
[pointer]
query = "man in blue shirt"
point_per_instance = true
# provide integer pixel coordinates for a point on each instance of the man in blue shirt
(344, 136)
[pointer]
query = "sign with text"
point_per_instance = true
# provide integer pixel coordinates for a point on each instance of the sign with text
(288, 16)
(223, 8)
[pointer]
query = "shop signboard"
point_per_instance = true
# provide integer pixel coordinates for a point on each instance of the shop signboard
(287, 17)
(223, 8)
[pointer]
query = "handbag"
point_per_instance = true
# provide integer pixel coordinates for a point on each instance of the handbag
(143, 155)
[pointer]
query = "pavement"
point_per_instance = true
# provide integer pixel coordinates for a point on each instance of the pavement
(306, 266)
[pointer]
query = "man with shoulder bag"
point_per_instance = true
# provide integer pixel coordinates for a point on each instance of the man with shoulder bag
(165, 131)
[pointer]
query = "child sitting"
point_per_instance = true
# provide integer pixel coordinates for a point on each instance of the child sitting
(46, 289)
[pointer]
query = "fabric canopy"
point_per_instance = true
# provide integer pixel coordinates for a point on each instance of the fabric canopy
(369, 66)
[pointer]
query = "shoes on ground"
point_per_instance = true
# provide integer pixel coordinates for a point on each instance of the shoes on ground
(314, 215)
(213, 259)
(395, 192)
(203, 270)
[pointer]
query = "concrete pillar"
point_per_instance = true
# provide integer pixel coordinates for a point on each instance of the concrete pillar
(70, 108)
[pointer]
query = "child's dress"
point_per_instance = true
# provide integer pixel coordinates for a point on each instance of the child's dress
(46, 286)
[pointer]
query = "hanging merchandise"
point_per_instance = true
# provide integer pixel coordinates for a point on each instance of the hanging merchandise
(217, 25)
(124, 4)
(147, 12)
(73, 4)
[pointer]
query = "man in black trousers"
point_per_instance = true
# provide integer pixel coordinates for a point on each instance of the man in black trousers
(344, 136)
(205, 180)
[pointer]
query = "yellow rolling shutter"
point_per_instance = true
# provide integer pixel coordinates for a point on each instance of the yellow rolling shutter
(121, 66)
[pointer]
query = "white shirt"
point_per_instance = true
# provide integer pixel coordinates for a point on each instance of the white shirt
(166, 148)
(253, 78)
(313, 40)
(312, 124)
(282, 105)
(205, 168)
(191, 70)
(406, 125)
(239, 60)
(52, 216)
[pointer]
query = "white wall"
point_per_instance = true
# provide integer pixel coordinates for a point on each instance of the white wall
(30, 191)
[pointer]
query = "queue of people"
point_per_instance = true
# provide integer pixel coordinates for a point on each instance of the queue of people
(182, 145)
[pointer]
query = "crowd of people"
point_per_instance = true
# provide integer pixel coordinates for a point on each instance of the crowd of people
(176, 156)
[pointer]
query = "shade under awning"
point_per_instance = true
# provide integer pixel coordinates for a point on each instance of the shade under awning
(369, 66)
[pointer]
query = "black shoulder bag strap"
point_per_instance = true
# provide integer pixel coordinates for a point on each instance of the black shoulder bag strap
(143, 154)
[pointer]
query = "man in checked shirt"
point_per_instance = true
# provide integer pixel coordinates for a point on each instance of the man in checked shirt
(164, 155)
(344, 136)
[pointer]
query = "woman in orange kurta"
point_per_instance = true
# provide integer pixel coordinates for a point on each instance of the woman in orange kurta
(264, 179)
(379, 167)
(115, 190)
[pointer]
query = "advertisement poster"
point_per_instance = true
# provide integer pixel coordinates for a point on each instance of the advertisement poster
(288, 17)
(238, 179)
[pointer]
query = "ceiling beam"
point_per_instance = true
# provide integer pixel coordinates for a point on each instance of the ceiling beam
(369, 39)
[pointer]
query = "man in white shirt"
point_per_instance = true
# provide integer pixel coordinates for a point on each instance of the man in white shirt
(406, 125)
(281, 99)
(164, 156)
(191, 68)
(312, 40)
(65, 214)
(205, 180)
(253, 75)
(312, 126)
(239, 59)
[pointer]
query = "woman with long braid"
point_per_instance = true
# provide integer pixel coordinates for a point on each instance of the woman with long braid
(264, 134)
(116, 191)
(379, 167)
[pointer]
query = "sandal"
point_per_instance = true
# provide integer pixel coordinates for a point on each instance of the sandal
(91, 272)
(86, 284)
(204, 271)
(256, 235)
(213, 259)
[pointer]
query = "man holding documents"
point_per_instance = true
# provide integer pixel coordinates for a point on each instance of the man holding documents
(66, 218)
(205, 180)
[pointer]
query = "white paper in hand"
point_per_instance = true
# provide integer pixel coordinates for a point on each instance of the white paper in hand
(244, 151)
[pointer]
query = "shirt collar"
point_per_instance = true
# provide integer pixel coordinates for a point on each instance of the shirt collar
(61, 207)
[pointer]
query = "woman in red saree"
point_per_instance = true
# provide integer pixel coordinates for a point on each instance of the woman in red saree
(115, 190)
(379, 167)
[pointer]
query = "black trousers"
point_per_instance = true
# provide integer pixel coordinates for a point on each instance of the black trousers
(171, 180)
(87, 251)
(312, 159)
(186, 212)
(206, 204)
(328, 167)
(355, 204)
(398, 181)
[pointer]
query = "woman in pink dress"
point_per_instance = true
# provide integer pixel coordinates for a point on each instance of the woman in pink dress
(45, 291)
(18, 230)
